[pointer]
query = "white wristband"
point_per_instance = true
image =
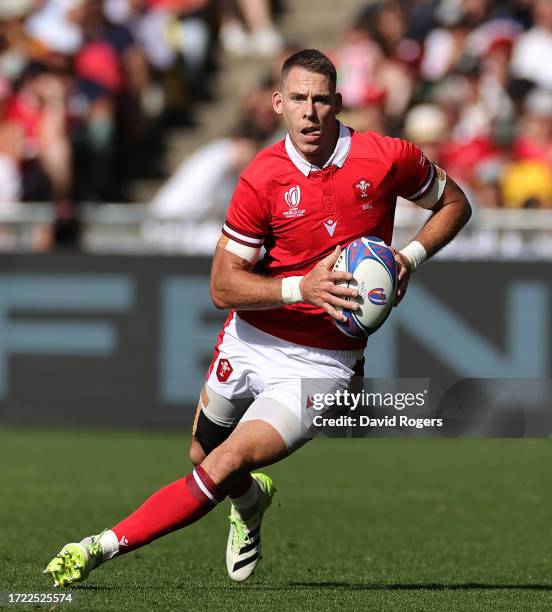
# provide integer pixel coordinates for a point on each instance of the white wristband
(415, 253)
(291, 292)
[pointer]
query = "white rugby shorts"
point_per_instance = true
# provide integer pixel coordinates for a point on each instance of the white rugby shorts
(278, 377)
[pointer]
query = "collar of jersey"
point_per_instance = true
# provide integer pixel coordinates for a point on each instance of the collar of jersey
(337, 158)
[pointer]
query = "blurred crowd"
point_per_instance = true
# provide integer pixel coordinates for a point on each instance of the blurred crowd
(89, 88)
(470, 81)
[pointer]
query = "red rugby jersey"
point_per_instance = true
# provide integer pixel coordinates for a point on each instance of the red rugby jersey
(300, 215)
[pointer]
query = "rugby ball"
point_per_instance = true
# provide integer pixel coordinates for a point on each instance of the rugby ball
(372, 264)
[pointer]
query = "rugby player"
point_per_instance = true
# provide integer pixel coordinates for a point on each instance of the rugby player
(301, 199)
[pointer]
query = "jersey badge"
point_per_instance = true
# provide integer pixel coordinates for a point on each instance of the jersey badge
(363, 191)
(293, 199)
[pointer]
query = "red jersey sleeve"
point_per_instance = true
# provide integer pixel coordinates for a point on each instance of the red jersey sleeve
(247, 219)
(413, 173)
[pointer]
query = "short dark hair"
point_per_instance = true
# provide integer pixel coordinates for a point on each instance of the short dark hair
(313, 61)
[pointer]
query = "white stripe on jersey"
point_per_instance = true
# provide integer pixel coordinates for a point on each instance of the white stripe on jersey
(425, 186)
(251, 241)
(249, 253)
(431, 198)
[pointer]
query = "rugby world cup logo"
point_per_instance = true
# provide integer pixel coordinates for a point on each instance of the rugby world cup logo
(293, 196)
(377, 296)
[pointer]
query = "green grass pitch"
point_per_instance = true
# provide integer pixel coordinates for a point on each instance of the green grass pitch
(356, 524)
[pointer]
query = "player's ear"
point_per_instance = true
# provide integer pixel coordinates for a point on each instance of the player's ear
(277, 102)
(338, 103)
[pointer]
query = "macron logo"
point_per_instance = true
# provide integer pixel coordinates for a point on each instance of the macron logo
(330, 226)
(123, 541)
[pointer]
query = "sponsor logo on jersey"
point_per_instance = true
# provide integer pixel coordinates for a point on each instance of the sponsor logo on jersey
(224, 369)
(330, 226)
(293, 199)
(363, 190)
(377, 296)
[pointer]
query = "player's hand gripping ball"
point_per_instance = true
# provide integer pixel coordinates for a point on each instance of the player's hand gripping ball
(372, 265)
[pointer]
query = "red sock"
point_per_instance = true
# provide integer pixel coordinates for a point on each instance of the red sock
(172, 507)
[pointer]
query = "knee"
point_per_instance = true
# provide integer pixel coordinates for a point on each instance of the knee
(231, 461)
(197, 454)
